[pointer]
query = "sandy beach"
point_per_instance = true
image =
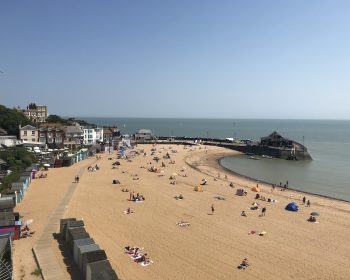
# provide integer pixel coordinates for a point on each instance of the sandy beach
(213, 245)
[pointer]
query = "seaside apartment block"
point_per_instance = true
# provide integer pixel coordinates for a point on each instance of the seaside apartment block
(92, 135)
(53, 136)
(36, 113)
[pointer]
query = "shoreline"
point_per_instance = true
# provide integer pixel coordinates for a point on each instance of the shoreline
(270, 184)
(212, 162)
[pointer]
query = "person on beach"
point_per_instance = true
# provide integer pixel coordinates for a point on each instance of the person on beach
(243, 214)
(244, 264)
(263, 211)
(212, 209)
(304, 200)
(308, 204)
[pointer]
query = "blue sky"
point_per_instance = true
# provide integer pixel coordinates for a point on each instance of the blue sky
(212, 59)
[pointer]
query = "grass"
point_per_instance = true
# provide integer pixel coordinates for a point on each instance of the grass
(36, 272)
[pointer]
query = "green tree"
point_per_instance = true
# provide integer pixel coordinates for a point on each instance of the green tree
(10, 119)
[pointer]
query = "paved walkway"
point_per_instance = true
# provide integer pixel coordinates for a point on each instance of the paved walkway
(47, 261)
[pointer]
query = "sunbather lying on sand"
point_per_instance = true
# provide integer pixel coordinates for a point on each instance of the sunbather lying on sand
(183, 224)
(129, 211)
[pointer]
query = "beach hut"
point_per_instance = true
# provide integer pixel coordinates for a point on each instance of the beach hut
(75, 234)
(10, 225)
(6, 204)
(101, 270)
(32, 169)
(12, 195)
(198, 188)
(93, 256)
(18, 186)
(73, 224)
(25, 180)
(78, 243)
(83, 250)
(63, 227)
(292, 207)
(19, 193)
(27, 174)
(255, 189)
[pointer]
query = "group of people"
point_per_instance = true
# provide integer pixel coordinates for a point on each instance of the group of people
(308, 203)
(136, 254)
(312, 219)
(26, 232)
(137, 197)
(93, 168)
(42, 176)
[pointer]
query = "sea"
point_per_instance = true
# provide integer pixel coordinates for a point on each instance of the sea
(328, 142)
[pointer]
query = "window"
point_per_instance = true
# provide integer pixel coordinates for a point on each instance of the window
(25, 133)
(33, 132)
(33, 139)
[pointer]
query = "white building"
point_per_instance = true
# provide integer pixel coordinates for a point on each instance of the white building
(28, 133)
(92, 135)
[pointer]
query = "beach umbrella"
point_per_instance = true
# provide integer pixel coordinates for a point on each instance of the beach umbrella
(314, 214)
(47, 165)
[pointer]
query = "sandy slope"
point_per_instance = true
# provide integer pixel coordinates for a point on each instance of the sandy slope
(213, 246)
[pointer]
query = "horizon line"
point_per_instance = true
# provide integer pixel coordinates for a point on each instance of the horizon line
(208, 118)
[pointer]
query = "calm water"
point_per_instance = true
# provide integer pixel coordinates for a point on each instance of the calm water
(328, 142)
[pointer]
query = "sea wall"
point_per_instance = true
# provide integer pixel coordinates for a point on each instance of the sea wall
(256, 149)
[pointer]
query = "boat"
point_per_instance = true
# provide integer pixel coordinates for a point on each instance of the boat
(254, 157)
(265, 156)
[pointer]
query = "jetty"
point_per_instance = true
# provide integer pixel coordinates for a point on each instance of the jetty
(273, 145)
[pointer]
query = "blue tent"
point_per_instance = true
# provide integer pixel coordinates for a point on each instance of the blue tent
(292, 207)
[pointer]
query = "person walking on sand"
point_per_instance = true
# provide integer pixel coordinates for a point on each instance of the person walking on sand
(212, 209)
(308, 203)
(304, 200)
(263, 211)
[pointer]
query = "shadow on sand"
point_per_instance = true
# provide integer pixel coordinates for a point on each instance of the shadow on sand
(67, 255)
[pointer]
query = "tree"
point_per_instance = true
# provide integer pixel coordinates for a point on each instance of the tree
(10, 119)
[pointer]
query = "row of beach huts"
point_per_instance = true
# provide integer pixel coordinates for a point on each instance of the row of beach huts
(90, 259)
(10, 221)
